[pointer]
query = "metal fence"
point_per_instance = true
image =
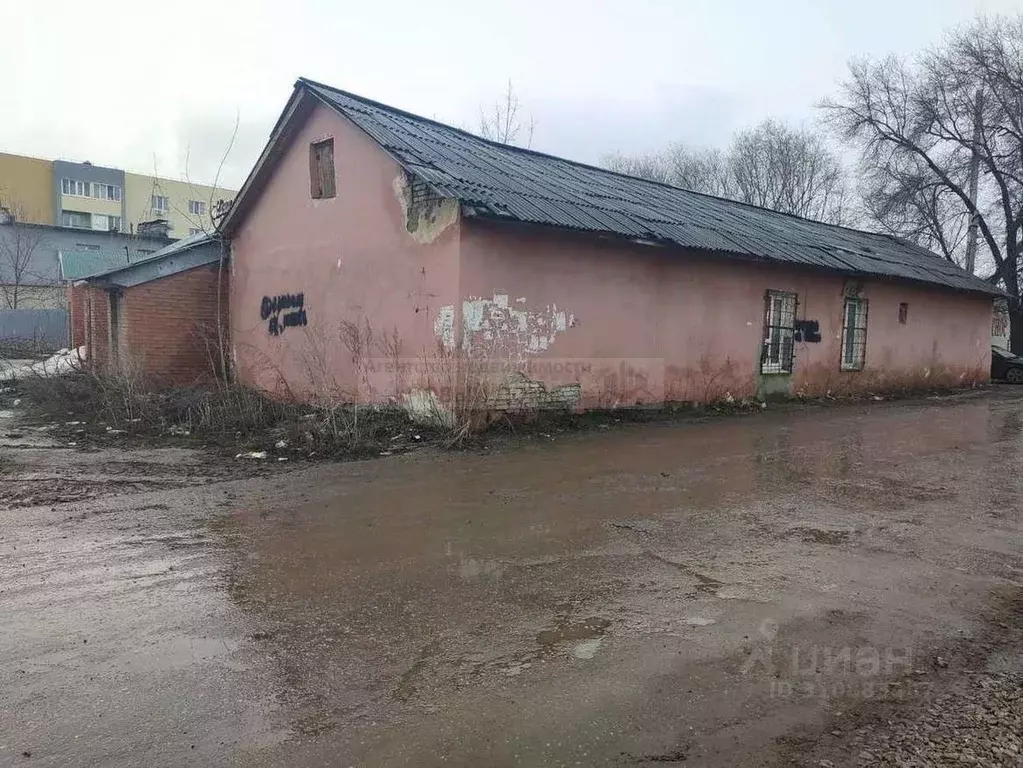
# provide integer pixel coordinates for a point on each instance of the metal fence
(33, 330)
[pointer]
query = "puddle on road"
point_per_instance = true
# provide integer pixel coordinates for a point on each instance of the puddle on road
(566, 631)
(821, 534)
(587, 649)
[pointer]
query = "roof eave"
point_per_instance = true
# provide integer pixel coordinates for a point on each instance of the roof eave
(483, 212)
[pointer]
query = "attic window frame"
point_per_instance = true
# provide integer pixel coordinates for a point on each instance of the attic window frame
(322, 178)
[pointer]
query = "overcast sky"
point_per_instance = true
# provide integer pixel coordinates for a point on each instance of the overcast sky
(146, 86)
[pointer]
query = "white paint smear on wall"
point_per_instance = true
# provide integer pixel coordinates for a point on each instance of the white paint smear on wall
(505, 328)
(444, 326)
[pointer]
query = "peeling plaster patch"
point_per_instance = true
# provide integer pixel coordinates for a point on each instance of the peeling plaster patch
(426, 216)
(444, 326)
(513, 331)
(423, 407)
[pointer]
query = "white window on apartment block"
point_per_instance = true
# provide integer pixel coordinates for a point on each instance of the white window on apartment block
(90, 189)
(104, 223)
(194, 230)
(160, 203)
(779, 332)
(854, 334)
(74, 187)
(106, 191)
(76, 219)
(197, 207)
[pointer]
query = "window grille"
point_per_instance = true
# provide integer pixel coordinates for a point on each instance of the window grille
(779, 332)
(854, 334)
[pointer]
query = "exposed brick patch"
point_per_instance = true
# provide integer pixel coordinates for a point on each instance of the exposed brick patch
(520, 393)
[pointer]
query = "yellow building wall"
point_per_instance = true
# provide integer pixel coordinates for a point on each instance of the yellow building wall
(138, 193)
(90, 205)
(26, 185)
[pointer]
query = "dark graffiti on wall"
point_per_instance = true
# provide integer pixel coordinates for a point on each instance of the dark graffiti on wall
(292, 305)
(808, 330)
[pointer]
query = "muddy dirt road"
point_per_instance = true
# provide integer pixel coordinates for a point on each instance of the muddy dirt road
(712, 593)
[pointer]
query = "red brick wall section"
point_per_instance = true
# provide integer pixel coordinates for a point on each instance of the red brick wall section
(169, 326)
(96, 306)
(76, 308)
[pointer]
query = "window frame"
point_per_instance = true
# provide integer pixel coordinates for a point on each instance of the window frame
(322, 179)
(196, 208)
(854, 335)
(97, 190)
(69, 216)
(75, 188)
(166, 203)
(778, 350)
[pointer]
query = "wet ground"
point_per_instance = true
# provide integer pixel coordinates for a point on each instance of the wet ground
(712, 593)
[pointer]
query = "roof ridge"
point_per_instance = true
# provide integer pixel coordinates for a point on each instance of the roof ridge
(588, 166)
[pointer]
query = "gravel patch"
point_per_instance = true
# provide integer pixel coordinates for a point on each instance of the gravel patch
(979, 724)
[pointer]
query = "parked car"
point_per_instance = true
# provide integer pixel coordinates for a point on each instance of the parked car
(1005, 365)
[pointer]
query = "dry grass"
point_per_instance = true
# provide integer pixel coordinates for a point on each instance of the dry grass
(228, 414)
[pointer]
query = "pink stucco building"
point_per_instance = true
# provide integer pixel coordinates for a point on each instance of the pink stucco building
(377, 255)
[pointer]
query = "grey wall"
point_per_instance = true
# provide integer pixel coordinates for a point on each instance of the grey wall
(83, 172)
(44, 267)
(44, 329)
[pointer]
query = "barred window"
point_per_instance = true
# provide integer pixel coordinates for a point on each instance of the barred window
(779, 332)
(854, 334)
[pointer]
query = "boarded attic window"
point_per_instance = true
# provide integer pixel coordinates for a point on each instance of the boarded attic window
(903, 313)
(321, 169)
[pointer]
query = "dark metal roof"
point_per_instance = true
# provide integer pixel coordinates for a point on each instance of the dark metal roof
(504, 182)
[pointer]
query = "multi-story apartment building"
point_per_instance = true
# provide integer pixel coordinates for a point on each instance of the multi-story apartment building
(185, 206)
(93, 197)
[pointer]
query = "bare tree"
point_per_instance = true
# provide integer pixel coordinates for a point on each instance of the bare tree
(789, 170)
(923, 114)
(771, 165)
(903, 198)
(655, 167)
(700, 170)
(505, 122)
(18, 244)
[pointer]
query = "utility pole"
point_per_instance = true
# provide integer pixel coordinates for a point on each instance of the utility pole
(971, 230)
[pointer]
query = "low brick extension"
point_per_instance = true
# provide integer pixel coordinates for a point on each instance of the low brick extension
(167, 327)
